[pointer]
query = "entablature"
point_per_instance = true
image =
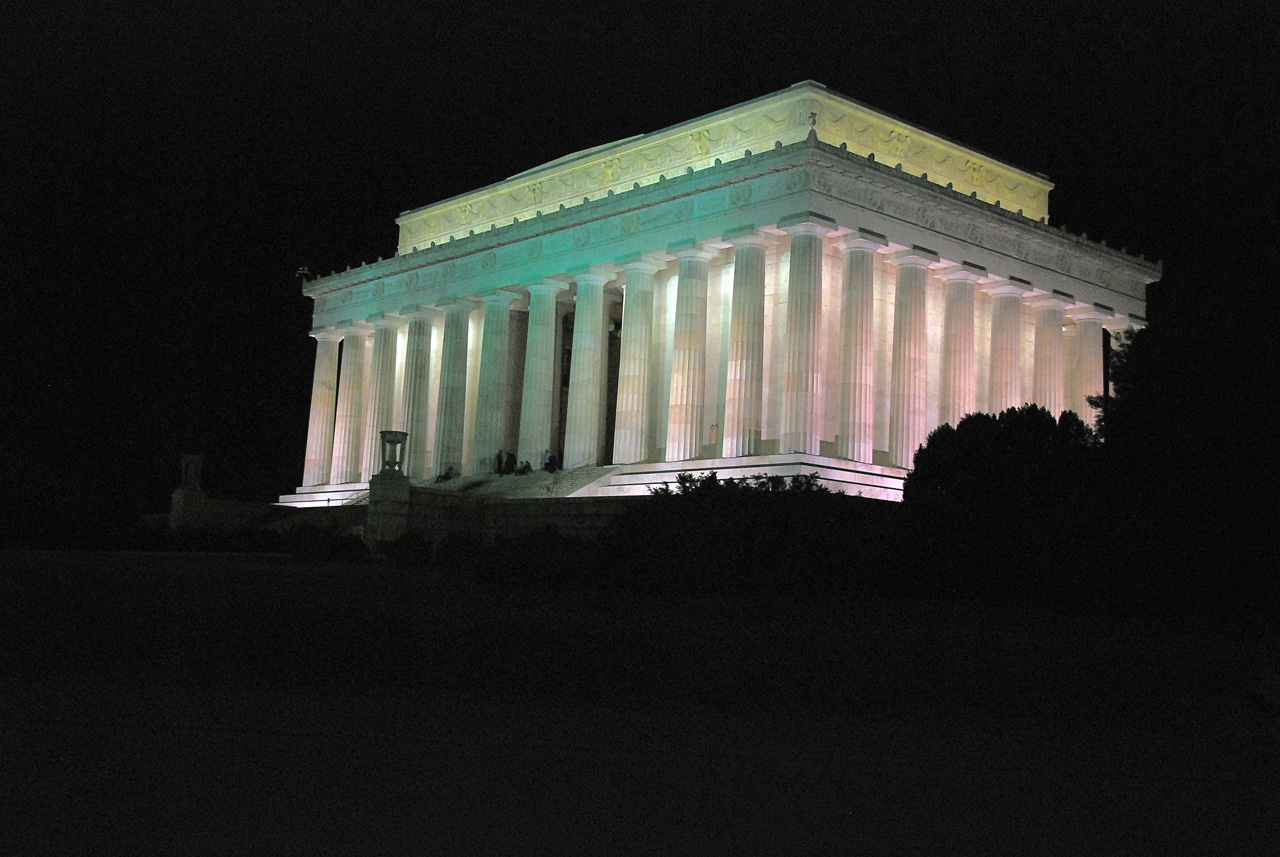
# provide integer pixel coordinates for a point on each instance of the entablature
(750, 192)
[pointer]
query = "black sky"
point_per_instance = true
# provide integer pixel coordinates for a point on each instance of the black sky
(167, 168)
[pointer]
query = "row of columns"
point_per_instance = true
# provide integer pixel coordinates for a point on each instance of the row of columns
(342, 431)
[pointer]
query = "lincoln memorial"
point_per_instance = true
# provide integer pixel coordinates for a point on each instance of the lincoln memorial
(795, 284)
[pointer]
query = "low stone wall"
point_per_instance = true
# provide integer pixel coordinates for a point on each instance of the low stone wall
(192, 510)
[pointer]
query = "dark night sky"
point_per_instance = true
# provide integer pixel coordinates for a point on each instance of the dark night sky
(167, 169)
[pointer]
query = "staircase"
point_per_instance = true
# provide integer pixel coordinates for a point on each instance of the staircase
(348, 494)
(572, 481)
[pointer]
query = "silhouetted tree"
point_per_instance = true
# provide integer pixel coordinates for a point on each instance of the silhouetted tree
(1147, 395)
(1181, 452)
(1022, 459)
(1158, 426)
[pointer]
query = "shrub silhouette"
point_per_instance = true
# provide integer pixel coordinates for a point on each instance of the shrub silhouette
(1022, 459)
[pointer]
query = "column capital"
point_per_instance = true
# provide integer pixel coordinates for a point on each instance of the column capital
(1051, 300)
(915, 257)
(964, 271)
(1012, 286)
(592, 278)
(326, 334)
(1120, 323)
(499, 297)
(749, 237)
(421, 311)
(1090, 312)
(457, 306)
(385, 320)
(863, 239)
(692, 250)
(546, 286)
(350, 329)
(645, 264)
(807, 223)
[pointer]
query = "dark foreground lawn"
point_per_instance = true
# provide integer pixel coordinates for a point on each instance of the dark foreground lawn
(256, 704)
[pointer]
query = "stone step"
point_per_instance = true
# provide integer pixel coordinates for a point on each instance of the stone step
(316, 496)
(854, 478)
(574, 481)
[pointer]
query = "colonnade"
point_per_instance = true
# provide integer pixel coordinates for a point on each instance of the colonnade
(392, 365)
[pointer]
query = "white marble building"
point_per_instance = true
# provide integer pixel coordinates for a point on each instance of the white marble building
(794, 284)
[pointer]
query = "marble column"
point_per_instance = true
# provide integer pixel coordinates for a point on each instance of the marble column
(491, 405)
(744, 393)
(908, 392)
(1005, 382)
(349, 428)
(1049, 382)
(368, 451)
(855, 416)
(631, 425)
(688, 355)
(539, 372)
(324, 399)
(451, 411)
(417, 387)
(958, 394)
(382, 395)
(1089, 357)
(584, 416)
(800, 430)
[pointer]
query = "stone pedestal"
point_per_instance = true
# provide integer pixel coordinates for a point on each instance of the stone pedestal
(188, 500)
(388, 516)
(389, 488)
